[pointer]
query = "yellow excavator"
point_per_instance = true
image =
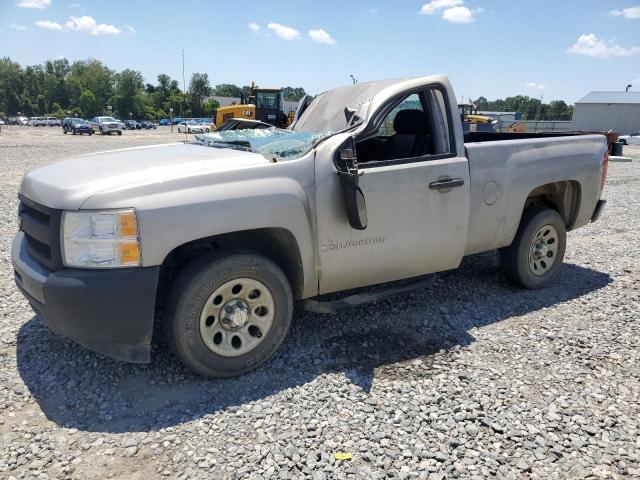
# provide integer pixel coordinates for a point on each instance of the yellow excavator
(263, 104)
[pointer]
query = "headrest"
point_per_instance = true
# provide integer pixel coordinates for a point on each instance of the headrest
(410, 122)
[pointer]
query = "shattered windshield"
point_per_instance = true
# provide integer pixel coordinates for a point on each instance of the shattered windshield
(341, 108)
(270, 142)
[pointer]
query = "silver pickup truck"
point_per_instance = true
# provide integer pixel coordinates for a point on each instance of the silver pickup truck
(216, 240)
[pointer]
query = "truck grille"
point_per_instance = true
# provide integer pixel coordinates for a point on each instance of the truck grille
(41, 227)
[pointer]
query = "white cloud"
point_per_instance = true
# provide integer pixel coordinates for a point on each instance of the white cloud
(39, 4)
(591, 46)
(537, 86)
(321, 36)
(16, 26)
(89, 25)
(254, 27)
(631, 13)
(86, 24)
(458, 15)
(48, 24)
(436, 6)
(374, 11)
(453, 11)
(284, 32)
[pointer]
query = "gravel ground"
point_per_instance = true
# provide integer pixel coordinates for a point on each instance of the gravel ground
(470, 378)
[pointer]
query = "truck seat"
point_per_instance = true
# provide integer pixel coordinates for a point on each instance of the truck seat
(411, 138)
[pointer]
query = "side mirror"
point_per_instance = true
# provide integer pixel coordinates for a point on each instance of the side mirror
(354, 201)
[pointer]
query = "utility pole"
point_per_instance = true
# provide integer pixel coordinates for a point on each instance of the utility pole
(184, 84)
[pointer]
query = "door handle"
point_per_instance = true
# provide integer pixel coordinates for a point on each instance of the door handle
(447, 183)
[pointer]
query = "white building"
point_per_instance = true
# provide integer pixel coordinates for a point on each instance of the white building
(604, 111)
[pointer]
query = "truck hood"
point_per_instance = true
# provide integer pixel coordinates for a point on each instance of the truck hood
(70, 183)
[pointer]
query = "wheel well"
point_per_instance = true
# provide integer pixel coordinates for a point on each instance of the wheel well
(277, 244)
(563, 197)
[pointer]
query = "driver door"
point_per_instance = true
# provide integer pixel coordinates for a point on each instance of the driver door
(417, 206)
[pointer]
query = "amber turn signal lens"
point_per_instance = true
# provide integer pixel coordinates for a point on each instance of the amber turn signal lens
(129, 254)
(128, 225)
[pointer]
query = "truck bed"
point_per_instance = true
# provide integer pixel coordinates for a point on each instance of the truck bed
(506, 167)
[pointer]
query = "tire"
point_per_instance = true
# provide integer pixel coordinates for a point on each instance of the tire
(194, 290)
(90, 132)
(102, 132)
(526, 262)
(74, 132)
(623, 142)
(64, 131)
(119, 132)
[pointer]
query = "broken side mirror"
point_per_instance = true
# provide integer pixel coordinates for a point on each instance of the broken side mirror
(354, 201)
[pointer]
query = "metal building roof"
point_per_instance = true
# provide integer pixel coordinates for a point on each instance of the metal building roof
(611, 97)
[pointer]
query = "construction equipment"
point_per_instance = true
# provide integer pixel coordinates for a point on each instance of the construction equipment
(472, 122)
(263, 104)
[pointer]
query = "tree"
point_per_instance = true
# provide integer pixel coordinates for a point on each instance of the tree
(199, 90)
(89, 104)
(293, 94)
(227, 90)
(42, 105)
(128, 93)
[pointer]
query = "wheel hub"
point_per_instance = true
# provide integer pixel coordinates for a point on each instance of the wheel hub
(544, 249)
(235, 314)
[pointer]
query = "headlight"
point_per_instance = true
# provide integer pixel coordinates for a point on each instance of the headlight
(100, 239)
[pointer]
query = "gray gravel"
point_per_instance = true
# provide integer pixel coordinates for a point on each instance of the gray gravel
(470, 378)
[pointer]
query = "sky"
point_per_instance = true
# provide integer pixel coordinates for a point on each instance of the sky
(558, 49)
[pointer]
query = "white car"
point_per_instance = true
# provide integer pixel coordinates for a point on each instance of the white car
(193, 127)
(53, 122)
(37, 122)
(633, 139)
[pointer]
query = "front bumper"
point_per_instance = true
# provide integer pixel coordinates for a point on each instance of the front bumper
(109, 311)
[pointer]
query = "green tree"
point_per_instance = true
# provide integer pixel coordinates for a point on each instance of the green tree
(199, 90)
(42, 105)
(128, 93)
(89, 104)
(227, 90)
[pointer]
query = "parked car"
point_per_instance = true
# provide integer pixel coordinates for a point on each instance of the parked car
(191, 126)
(164, 121)
(106, 125)
(37, 122)
(130, 125)
(375, 182)
(633, 139)
(53, 122)
(147, 125)
(76, 126)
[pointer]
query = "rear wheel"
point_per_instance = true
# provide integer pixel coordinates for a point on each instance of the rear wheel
(119, 132)
(537, 251)
(228, 315)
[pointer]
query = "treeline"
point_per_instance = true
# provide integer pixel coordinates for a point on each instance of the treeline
(531, 108)
(86, 88)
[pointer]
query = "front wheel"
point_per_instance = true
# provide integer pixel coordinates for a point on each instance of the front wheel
(228, 315)
(119, 132)
(537, 251)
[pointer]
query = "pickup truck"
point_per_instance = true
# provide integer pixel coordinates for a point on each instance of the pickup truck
(215, 241)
